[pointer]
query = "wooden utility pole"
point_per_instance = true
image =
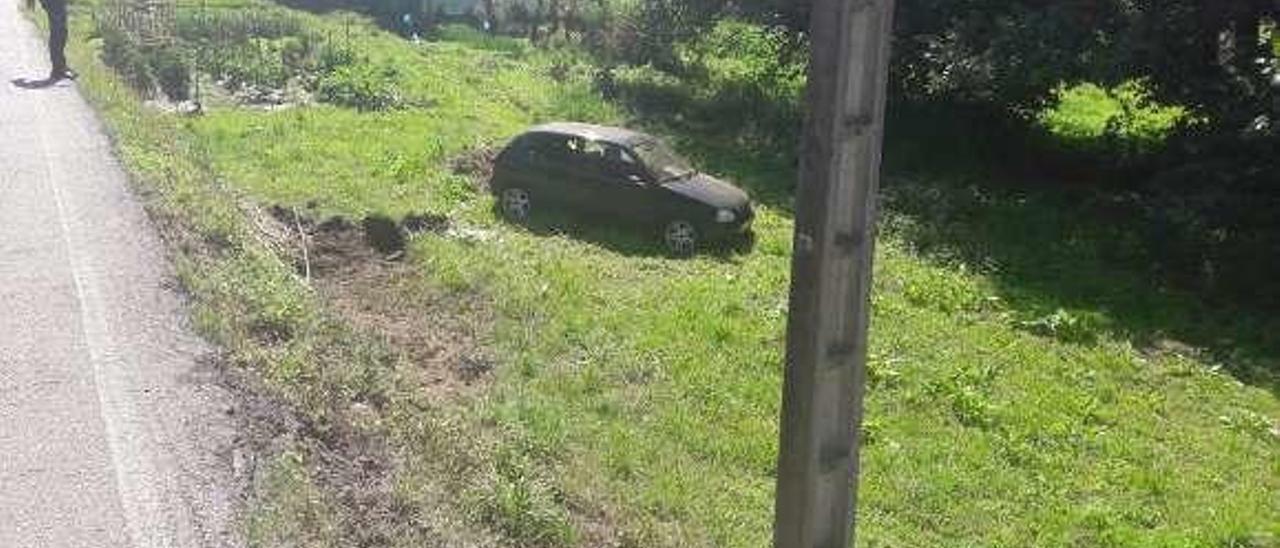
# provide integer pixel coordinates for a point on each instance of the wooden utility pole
(831, 274)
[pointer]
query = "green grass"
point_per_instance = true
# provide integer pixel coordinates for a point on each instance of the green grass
(1087, 113)
(392, 161)
(1014, 397)
(302, 366)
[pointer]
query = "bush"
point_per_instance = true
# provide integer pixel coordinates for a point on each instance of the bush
(121, 53)
(262, 51)
(257, 64)
(649, 30)
(145, 68)
(1120, 127)
(171, 73)
(748, 78)
(223, 26)
(738, 77)
(742, 58)
(362, 86)
(645, 88)
(256, 51)
(330, 57)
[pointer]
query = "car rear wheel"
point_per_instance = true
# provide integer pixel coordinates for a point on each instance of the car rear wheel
(681, 238)
(516, 204)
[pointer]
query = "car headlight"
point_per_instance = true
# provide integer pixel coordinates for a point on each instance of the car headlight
(726, 216)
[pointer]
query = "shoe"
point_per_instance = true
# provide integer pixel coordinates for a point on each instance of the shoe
(64, 74)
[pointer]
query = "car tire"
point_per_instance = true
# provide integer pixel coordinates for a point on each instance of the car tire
(516, 204)
(680, 237)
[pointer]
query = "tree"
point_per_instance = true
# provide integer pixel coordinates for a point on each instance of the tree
(1201, 53)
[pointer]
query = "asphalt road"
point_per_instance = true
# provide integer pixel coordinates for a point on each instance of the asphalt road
(112, 433)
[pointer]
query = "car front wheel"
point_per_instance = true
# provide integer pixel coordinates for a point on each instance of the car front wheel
(681, 238)
(516, 204)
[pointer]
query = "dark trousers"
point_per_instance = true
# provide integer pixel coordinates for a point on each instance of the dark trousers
(57, 10)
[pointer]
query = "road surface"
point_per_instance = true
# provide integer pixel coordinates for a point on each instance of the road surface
(111, 432)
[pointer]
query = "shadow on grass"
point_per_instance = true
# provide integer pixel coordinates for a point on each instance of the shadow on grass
(1067, 253)
(1071, 264)
(627, 239)
(1068, 249)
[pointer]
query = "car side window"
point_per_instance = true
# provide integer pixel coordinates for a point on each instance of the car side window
(593, 151)
(622, 163)
(551, 149)
(576, 147)
(537, 148)
(586, 155)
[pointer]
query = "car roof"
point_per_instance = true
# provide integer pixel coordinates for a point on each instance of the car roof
(593, 132)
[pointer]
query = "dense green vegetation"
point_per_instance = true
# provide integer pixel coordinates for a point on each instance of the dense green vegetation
(1029, 383)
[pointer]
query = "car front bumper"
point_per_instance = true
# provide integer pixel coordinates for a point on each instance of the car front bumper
(739, 227)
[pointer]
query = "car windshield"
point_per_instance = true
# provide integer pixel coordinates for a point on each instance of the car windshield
(662, 161)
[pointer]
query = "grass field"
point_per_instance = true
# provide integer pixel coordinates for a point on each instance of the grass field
(1025, 389)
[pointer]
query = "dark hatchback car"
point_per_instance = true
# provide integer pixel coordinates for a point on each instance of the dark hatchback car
(619, 174)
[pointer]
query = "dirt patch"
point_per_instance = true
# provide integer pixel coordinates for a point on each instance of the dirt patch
(360, 271)
(366, 275)
(353, 465)
(292, 95)
(428, 342)
(475, 164)
(416, 224)
(1163, 347)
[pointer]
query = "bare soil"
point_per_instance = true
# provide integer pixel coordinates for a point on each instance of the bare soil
(475, 164)
(363, 273)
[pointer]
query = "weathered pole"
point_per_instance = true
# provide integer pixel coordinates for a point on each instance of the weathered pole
(831, 274)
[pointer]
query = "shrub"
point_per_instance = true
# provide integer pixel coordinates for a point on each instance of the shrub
(362, 86)
(749, 75)
(1121, 126)
(121, 53)
(171, 72)
(645, 88)
(753, 62)
(223, 26)
(256, 63)
(330, 57)
(145, 68)
(649, 29)
(256, 51)
(295, 51)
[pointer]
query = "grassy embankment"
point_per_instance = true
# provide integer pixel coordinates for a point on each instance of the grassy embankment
(1023, 390)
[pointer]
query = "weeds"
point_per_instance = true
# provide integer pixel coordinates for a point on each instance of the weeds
(362, 87)
(144, 67)
(1124, 124)
(260, 53)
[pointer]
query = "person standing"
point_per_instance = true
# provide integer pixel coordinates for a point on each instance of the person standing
(57, 11)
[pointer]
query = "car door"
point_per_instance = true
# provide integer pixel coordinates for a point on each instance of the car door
(579, 177)
(622, 187)
(553, 176)
(592, 188)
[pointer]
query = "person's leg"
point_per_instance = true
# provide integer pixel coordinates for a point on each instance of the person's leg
(57, 10)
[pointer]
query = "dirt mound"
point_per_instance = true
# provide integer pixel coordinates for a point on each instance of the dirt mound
(383, 234)
(475, 164)
(358, 269)
(419, 223)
